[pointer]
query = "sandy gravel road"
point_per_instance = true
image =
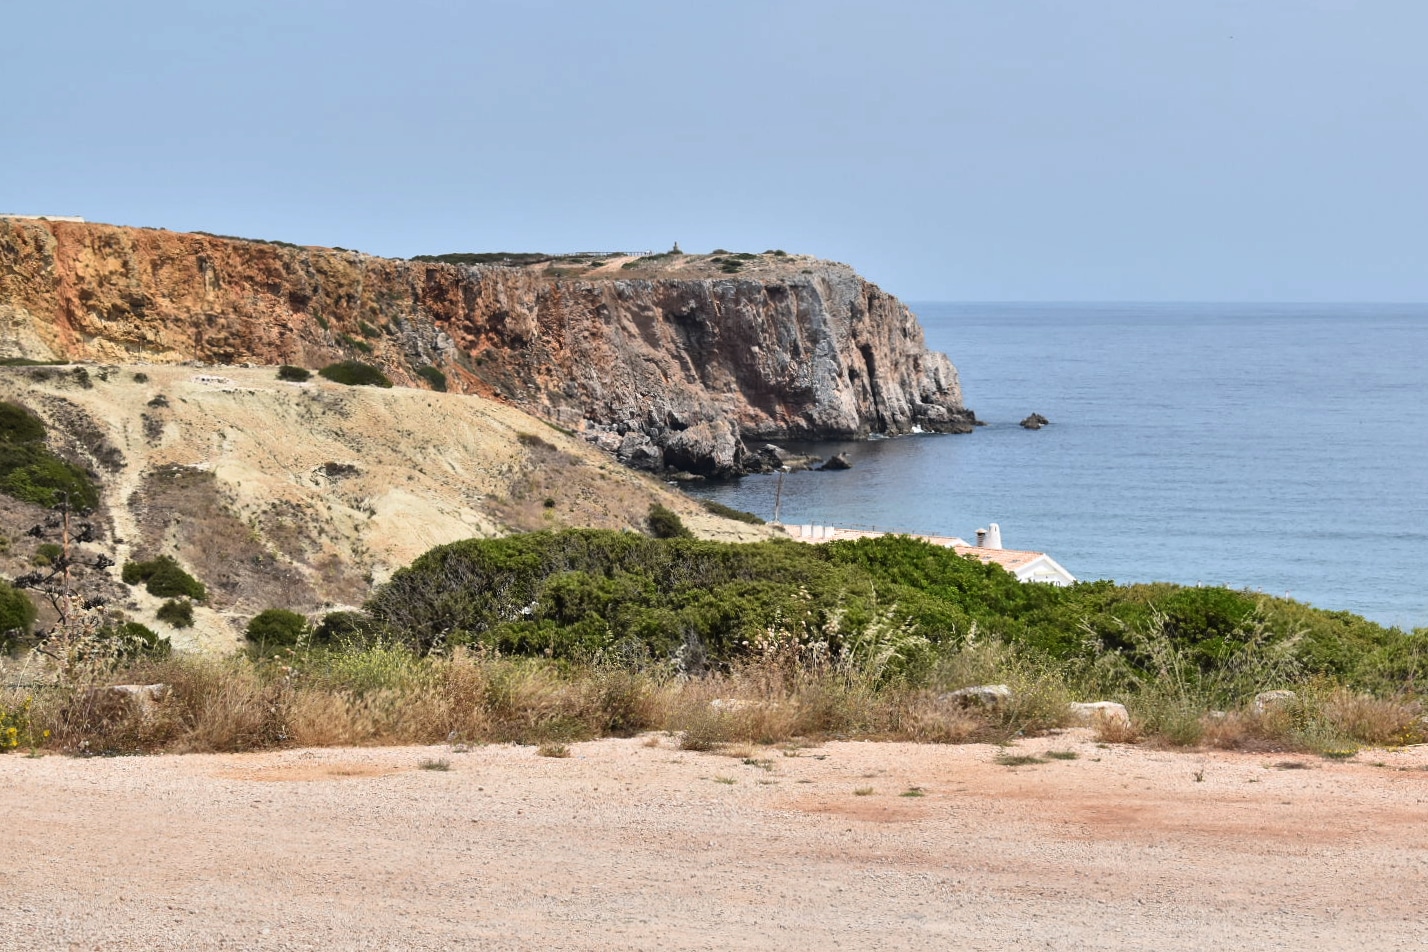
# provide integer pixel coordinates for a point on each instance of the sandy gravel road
(629, 846)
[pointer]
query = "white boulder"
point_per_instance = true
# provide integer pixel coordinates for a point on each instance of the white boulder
(1100, 714)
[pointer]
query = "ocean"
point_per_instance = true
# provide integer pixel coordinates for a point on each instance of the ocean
(1276, 448)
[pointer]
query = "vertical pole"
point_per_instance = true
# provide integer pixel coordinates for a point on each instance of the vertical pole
(778, 498)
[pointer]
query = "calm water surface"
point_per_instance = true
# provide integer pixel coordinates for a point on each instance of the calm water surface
(1271, 447)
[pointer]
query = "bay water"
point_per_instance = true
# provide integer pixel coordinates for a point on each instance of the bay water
(1277, 448)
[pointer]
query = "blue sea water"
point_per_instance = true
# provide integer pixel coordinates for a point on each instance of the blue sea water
(1267, 447)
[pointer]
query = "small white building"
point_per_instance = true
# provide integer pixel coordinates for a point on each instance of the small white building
(1026, 566)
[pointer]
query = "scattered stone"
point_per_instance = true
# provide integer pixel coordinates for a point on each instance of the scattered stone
(1034, 422)
(990, 696)
(1100, 713)
(1268, 700)
(840, 461)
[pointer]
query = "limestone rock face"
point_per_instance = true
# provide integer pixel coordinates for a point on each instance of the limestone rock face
(692, 360)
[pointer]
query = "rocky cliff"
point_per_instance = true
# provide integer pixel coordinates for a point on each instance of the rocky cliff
(671, 361)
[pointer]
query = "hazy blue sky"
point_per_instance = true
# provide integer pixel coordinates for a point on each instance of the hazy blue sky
(957, 150)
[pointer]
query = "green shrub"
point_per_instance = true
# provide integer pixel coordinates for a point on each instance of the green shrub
(665, 524)
(30, 472)
(435, 377)
(890, 605)
(163, 578)
(29, 362)
(354, 373)
(729, 512)
(355, 344)
(367, 330)
(277, 627)
(293, 374)
(177, 612)
(47, 553)
(134, 640)
(345, 628)
(18, 425)
(17, 612)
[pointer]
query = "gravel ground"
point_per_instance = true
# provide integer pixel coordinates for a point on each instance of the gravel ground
(627, 845)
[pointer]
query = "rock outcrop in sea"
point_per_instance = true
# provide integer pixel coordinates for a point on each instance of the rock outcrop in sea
(670, 361)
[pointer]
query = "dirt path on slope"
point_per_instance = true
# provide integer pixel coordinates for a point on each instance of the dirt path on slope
(630, 846)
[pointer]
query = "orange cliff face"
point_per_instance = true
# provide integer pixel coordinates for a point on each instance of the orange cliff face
(670, 363)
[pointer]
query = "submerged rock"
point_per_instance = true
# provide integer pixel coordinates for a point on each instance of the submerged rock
(839, 461)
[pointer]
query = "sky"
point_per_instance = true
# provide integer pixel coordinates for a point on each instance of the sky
(961, 150)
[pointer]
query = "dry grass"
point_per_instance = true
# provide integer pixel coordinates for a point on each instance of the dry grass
(386, 695)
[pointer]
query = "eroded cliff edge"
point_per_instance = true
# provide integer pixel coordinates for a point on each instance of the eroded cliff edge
(668, 360)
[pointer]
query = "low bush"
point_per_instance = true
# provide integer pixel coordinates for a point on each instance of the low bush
(130, 639)
(277, 628)
(347, 629)
(177, 612)
(163, 577)
(729, 512)
(17, 614)
(293, 374)
(664, 523)
(47, 553)
(30, 472)
(19, 425)
(434, 377)
(354, 373)
(357, 345)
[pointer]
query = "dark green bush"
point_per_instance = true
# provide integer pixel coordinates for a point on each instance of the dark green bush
(29, 362)
(135, 640)
(293, 374)
(354, 373)
(30, 472)
(163, 578)
(435, 377)
(18, 425)
(345, 628)
(665, 523)
(47, 553)
(177, 612)
(276, 627)
(729, 512)
(17, 612)
(355, 344)
(587, 593)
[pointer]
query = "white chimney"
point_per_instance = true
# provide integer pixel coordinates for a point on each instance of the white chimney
(994, 536)
(981, 538)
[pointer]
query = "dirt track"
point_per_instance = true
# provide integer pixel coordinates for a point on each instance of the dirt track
(624, 845)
